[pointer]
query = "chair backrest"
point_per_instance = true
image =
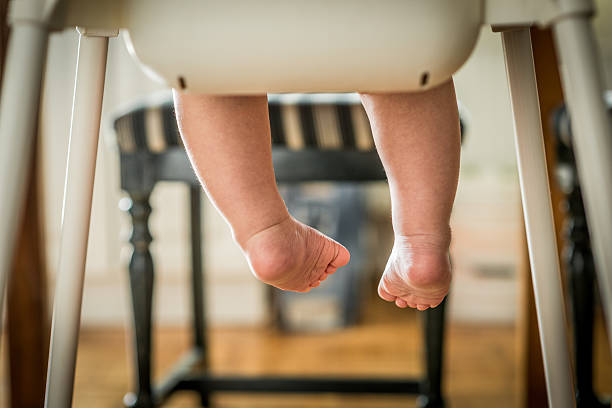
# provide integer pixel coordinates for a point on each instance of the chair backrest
(297, 121)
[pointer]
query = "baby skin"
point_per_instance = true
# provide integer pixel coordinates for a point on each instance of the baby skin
(417, 137)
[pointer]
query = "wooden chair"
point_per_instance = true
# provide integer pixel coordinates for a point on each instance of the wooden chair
(579, 262)
(314, 138)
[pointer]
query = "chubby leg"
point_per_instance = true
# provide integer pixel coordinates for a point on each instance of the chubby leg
(417, 137)
(228, 142)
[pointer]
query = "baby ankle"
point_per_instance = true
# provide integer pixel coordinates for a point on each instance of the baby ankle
(439, 240)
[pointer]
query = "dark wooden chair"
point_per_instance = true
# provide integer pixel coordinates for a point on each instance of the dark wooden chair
(315, 138)
(579, 263)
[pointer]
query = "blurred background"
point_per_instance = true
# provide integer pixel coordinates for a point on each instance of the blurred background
(488, 356)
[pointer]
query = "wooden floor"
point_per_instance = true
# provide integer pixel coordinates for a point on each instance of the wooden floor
(480, 367)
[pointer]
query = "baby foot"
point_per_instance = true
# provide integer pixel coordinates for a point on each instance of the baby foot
(417, 273)
(293, 256)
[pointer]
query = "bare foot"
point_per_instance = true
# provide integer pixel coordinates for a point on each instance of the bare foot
(418, 272)
(293, 256)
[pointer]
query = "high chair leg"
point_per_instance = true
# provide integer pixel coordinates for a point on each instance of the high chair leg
(580, 70)
(537, 209)
(78, 190)
(18, 118)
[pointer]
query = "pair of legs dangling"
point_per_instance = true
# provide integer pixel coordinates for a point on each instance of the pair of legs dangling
(417, 137)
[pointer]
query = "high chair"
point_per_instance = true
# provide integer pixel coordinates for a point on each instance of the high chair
(265, 46)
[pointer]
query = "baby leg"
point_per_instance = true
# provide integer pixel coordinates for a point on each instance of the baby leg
(417, 137)
(228, 143)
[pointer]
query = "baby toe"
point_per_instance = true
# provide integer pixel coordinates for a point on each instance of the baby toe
(401, 303)
(425, 300)
(341, 256)
(331, 269)
(385, 295)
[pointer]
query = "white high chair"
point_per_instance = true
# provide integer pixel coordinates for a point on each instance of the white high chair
(247, 46)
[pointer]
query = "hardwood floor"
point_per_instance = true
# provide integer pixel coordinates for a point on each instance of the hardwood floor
(480, 366)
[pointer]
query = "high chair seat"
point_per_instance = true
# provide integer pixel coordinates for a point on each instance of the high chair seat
(284, 46)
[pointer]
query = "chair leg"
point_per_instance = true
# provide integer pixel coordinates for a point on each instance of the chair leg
(581, 282)
(141, 283)
(591, 130)
(537, 210)
(199, 325)
(581, 279)
(85, 126)
(431, 396)
(18, 112)
(197, 284)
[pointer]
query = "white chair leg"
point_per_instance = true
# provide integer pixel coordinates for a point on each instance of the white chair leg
(84, 130)
(18, 118)
(537, 208)
(592, 138)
